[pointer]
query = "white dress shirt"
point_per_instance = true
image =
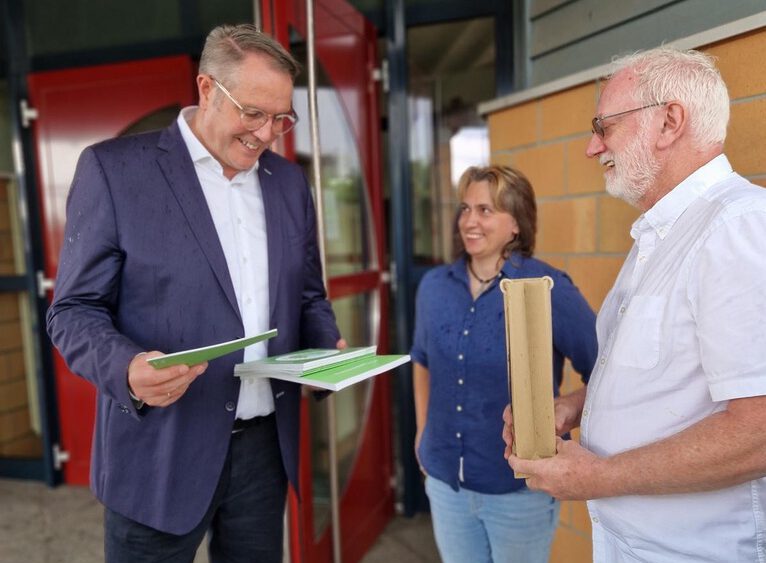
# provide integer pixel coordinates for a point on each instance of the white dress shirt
(236, 207)
(682, 331)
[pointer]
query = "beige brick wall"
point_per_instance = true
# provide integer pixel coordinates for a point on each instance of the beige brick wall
(583, 230)
(17, 439)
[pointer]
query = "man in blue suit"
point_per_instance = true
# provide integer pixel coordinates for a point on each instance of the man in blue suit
(178, 239)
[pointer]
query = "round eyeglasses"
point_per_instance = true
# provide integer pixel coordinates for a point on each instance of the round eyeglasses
(254, 118)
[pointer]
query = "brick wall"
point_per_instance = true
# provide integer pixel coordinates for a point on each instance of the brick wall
(583, 230)
(17, 439)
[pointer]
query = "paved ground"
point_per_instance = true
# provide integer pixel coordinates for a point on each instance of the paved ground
(63, 525)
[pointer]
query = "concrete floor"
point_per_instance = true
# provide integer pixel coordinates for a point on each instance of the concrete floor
(64, 525)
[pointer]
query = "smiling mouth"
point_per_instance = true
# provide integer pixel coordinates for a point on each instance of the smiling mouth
(608, 162)
(248, 145)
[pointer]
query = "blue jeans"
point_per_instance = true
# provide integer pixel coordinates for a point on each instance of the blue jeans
(478, 528)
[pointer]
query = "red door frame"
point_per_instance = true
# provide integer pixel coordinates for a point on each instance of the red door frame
(79, 107)
(346, 48)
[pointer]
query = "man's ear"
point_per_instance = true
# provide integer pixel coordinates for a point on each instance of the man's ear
(205, 89)
(674, 124)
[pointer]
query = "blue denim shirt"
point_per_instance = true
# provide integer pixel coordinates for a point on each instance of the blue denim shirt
(462, 343)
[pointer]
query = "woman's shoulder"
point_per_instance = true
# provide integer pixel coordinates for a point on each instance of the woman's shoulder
(436, 275)
(530, 266)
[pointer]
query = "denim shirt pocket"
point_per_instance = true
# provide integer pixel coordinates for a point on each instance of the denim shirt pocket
(638, 335)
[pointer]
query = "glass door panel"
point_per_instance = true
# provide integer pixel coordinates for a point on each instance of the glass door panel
(20, 423)
(353, 314)
(451, 69)
(348, 232)
(354, 236)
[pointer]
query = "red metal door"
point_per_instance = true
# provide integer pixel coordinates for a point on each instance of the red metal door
(347, 99)
(76, 108)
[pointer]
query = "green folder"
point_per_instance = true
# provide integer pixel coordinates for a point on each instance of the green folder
(340, 376)
(199, 355)
(303, 362)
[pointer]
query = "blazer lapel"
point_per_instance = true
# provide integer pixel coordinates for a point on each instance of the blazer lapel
(272, 207)
(179, 171)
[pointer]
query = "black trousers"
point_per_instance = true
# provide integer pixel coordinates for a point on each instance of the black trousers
(245, 518)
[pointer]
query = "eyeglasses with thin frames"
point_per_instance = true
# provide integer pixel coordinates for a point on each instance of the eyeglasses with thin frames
(596, 124)
(254, 118)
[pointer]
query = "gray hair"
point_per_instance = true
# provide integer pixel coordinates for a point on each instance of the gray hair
(227, 45)
(666, 74)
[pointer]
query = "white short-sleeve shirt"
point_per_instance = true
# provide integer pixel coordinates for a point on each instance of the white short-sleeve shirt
(682, 331)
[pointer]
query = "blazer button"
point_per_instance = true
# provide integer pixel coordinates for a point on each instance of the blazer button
(124, 409)
(230, 406)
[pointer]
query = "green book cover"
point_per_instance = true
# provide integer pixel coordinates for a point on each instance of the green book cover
(199, 355)
(302, 362)
(335, 378)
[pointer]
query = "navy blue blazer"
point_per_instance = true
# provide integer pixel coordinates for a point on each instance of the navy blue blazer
(142, 268)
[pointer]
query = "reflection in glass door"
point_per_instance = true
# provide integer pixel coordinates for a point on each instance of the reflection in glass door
(24, 428)
(354, 243)
(20, 418)
(451, 69)
(348, 250)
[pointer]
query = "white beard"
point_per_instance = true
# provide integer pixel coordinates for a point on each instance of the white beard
(634, 171)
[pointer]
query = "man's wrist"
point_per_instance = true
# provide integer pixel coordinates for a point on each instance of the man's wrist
(138, 404)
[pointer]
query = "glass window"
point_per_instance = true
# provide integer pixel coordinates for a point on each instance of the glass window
(352, 314)
(347, 226)
(451, 69)
(20, 428)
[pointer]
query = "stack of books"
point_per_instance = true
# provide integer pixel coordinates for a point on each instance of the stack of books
(323, 368)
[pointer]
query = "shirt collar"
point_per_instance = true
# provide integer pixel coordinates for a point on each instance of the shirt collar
(458, 269)
(509, 269)
(664, 214)
(198, 152)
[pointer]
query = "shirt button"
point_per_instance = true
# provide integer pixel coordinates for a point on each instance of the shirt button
(460, 356)
(460, 381)
(465, 332)
(473, 309)
(641, 258)
(602, 361)
(595, 519)
(230, 406)
(584, 413)
(458, 435)
(622, 310)
(459, 408)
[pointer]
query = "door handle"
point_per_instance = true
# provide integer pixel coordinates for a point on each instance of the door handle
(43, 284)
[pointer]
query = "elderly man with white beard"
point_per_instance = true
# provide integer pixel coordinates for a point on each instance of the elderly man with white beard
(673, 448)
